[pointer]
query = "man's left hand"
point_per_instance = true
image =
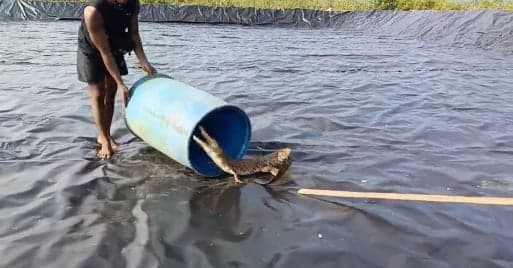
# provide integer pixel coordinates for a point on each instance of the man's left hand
(146, 66)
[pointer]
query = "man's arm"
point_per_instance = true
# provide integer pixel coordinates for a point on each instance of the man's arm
(136, 38)
(94, 24)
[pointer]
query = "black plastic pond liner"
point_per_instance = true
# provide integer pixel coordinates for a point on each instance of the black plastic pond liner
(483, 29)
(29, 10)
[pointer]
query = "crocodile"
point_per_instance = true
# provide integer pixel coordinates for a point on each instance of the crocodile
(275, 163)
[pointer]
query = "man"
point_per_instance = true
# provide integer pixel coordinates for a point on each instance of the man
(109, 29)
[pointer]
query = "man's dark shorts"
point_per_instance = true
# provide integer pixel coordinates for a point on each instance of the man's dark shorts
(91, 69)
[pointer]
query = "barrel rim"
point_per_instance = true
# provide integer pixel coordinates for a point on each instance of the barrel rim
(243, 150)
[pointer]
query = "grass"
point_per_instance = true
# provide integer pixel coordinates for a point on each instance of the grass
(344, 5)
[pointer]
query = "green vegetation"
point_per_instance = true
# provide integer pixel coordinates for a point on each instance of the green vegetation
(344, 5)
(442, 5)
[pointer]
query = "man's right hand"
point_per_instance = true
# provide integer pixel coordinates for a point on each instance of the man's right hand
(123, 89)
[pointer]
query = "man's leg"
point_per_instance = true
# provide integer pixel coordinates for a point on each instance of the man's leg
(110, 99)
(97, 92)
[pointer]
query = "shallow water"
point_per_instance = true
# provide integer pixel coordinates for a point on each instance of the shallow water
(360, 111)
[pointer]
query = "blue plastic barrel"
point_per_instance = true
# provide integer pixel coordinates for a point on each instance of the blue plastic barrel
(165, 113)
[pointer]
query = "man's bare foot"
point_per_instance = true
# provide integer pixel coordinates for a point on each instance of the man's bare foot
(113, 144)
(105, 151)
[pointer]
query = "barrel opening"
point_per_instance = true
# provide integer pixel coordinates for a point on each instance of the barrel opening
(231, 128)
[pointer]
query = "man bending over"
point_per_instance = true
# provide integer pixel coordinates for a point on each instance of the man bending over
(109, 29)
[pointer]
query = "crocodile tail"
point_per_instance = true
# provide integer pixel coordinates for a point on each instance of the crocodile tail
(202, 144)
(211, 141)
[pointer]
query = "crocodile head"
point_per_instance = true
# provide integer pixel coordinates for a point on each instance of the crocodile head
(283, 154)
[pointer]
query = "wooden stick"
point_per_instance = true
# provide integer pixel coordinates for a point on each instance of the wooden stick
(504, 201)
